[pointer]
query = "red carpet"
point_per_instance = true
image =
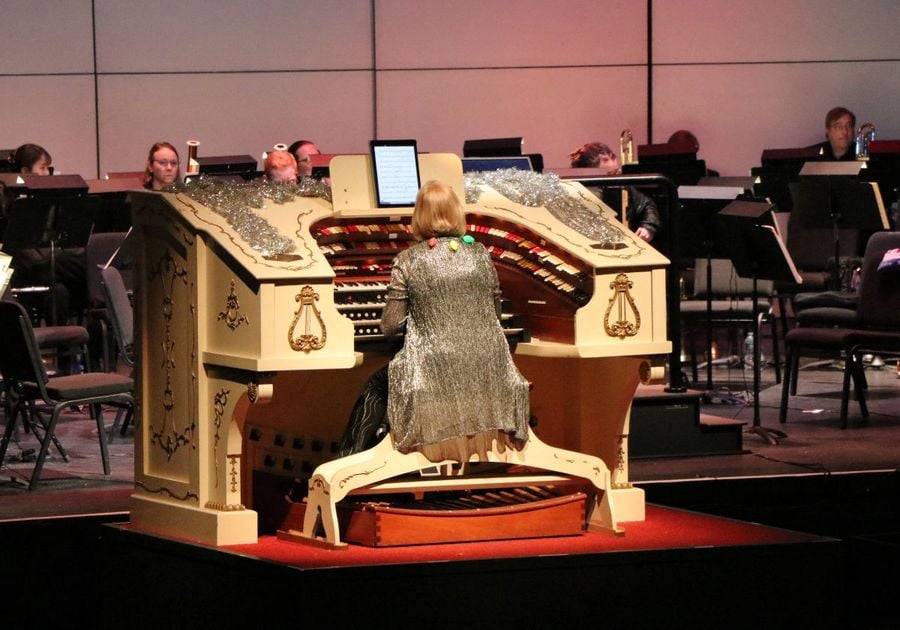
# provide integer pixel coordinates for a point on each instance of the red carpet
(664, 529)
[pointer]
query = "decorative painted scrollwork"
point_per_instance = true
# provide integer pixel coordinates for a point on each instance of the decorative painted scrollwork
(220, 401)
(622, 299)
(307, 341)
(168, 437)
(231, 314)
(233, 474)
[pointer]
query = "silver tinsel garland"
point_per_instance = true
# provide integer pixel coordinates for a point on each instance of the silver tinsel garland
(237, 202)
(532, 189)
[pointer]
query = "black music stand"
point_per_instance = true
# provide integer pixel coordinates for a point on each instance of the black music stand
(757, 252)
(48, 222)
(700, 236)
(837, 201)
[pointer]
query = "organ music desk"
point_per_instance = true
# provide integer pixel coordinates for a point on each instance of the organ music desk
(249, 365)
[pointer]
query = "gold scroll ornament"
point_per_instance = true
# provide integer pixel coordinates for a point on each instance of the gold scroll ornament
(232, 313)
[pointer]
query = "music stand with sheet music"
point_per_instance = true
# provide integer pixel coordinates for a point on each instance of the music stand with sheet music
(757, 252)
(829, 195)
(51, 221)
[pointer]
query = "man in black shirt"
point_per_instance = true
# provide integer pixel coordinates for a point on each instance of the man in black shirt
(840, 134)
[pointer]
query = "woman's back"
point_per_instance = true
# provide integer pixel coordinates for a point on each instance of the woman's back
(454, 376)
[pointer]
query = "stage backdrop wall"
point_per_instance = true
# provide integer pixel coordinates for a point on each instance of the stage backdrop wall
(98, 81)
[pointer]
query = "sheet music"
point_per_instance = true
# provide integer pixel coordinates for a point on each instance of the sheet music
(397, 175)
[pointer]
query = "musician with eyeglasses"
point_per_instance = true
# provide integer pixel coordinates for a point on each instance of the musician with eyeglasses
(303, 150)
(162, 168)
(840, 136)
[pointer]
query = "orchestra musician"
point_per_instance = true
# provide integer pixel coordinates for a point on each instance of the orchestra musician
(303, 150)
(64, 271)
(684, 136)
(280, 166)
(840, 136)
(641, 213)
(162, 168)
(32, 159)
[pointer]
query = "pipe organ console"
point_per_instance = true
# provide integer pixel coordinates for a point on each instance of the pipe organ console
(251, 359)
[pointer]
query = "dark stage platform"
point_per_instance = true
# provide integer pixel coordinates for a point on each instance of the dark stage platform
(675, 569)
(826, 496)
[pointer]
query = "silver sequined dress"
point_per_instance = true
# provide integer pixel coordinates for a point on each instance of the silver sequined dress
(454, 376)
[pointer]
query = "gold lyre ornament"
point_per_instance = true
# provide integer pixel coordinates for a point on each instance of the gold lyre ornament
(622, 300)
(307, 341)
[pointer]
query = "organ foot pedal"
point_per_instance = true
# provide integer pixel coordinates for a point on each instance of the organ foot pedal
(379, 471)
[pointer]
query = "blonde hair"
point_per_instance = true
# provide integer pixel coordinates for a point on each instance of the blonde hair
(438, 212)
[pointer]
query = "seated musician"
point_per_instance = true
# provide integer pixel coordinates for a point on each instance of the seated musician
(840, 136)
(280, 166)
(32, 159)
(303, 150)
(641, 213)
(32, 265)
(683, 136)
(162, 167)
(453, 387)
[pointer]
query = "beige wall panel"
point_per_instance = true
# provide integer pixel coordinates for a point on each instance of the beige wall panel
(555, 110)
(54, 112)
(474, 33)
(689, 31)
(45, 36)
(209, 35)
(738, 111)
(232, 114)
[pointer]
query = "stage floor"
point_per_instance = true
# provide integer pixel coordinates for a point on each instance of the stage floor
(830, 492)
(815, 446)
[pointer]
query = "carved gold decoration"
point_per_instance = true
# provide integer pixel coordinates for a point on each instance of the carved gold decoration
(252, 391)
(169, 438)
(620, 453)
(307, 341)
(622, 299)
(220, 401)
(233, 472)
(231, 314)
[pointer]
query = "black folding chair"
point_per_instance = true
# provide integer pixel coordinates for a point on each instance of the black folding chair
(39, 400)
